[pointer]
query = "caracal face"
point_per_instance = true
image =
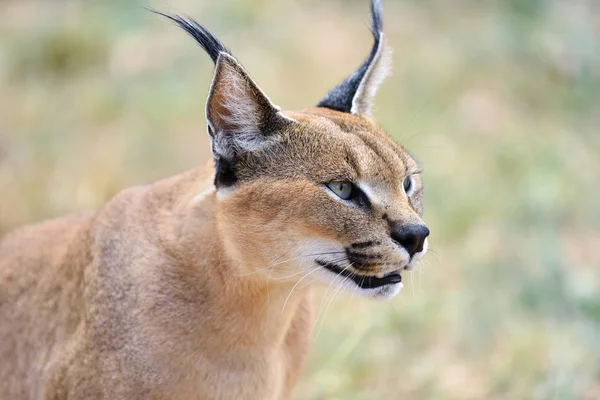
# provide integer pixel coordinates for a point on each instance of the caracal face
(331, 198)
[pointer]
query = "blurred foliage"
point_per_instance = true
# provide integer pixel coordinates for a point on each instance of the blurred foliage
(499, 100)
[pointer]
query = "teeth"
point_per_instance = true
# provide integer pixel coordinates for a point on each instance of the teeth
(380, 275)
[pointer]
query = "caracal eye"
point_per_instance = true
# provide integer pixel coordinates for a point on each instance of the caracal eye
(342, 189)
(408, 185)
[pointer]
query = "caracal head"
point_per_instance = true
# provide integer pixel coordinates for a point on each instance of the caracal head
(318, 194)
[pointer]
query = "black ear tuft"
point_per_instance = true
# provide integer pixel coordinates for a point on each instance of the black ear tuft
(376, 19)
(343, 97)
(205, 39)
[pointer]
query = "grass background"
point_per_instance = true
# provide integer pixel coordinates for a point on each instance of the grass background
(498, 100)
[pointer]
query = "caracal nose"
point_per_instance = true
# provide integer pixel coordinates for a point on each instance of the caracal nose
(411, 237)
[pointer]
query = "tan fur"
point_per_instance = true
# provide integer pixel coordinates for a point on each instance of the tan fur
(163, 293)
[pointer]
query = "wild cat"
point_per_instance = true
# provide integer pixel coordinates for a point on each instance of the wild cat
(188, 288)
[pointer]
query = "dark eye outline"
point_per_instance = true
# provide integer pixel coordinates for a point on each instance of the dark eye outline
(408, 185)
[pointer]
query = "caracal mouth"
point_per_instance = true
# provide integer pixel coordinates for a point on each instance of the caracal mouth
(364, 281)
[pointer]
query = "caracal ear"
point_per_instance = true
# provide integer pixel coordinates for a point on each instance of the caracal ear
(357, 92)
(241, 118)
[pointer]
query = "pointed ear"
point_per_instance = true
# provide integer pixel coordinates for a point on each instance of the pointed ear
(241, 118)
(356, 93)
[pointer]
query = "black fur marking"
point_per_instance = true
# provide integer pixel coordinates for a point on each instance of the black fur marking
(340, 98)
(360, 198)
(362, 245)
(205, 39)
(362, 261)
(225, 173)
(356, 254)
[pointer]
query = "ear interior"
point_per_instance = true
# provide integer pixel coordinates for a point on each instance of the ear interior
(240, 116)
(235, 103)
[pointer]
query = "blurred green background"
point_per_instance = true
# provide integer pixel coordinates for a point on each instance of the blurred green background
(498, 100)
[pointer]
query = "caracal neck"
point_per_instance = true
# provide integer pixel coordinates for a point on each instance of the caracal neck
(250, 305)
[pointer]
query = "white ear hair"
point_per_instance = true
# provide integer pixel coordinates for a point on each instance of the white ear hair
(378, 70)
(238, 112)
